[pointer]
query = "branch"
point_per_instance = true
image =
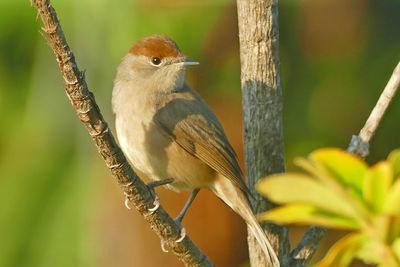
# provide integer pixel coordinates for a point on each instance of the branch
(262, 111)
(89, 113)
(304, 251)
(359, 145)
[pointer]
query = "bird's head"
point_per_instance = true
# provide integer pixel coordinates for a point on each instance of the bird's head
(157, 61)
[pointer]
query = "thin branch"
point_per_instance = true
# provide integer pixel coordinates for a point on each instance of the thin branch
(89, 113)
(304, 251)
(359, 145)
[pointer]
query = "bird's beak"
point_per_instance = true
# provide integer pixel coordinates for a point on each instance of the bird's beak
(188, 62)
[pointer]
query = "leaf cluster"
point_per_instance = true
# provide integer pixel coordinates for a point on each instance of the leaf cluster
(339, 190)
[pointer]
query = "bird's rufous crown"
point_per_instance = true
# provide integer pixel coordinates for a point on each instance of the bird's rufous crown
(156, 46)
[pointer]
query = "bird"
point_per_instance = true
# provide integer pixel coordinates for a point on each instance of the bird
(170, 134)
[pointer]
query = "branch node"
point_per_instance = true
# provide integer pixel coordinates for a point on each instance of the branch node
(358, 146)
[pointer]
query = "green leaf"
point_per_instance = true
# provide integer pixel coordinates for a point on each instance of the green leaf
(394, 158)
(308, 215)
(392, 200)
(377, 184)
(302, 189)
(347, 168)
(342, 252)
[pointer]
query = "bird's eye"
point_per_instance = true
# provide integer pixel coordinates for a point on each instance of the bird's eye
(155, 61)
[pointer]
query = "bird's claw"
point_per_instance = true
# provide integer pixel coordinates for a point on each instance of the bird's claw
(182, 236)
(127, 201)
(156, 204)
(180, 239)
(163, 246)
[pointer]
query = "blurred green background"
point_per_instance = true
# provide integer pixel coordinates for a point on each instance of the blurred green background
(59, 205)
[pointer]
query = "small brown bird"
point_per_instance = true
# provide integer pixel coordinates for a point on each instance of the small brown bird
(170, 134)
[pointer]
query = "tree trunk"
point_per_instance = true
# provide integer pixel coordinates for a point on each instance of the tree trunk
(262, 110)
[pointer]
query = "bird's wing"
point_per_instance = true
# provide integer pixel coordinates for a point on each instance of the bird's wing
(190, 123)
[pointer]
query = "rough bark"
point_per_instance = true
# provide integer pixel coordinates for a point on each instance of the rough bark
(89, 113)
(262, 109)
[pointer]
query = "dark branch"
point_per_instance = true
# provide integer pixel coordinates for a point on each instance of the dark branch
(89, 113)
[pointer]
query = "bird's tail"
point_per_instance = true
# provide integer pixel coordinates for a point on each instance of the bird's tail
(236, 199)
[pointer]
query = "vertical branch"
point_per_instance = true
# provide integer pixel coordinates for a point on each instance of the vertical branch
(262, 109)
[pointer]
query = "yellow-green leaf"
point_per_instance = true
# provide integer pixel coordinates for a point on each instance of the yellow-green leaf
(380, 226)
(377, 184)
(373, 251)
(396, 248)
(394, 158)
(293, 188)
(392, 200)
(316, 171)
(342, 252)
(394, 227)
(307, 215)
(347, 168)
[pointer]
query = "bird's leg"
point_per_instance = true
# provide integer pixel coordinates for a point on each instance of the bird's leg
(154, 184)
(181, 214)
(179, 218)
(151, 187)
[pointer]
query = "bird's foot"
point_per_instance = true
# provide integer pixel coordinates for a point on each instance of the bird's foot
(156, 204)
(127, 196)
(178, 240)
(151, 186)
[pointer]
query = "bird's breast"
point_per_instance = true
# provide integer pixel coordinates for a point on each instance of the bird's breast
(155, 154)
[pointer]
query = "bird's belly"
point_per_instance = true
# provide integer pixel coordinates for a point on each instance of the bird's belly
(131, 137)
(158, 157)
(188, 171)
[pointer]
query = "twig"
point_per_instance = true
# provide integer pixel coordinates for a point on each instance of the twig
(304, 251)
(89, 113)
(359, 145)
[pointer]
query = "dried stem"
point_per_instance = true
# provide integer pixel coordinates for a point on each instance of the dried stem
(359, 145)
(89, 113)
